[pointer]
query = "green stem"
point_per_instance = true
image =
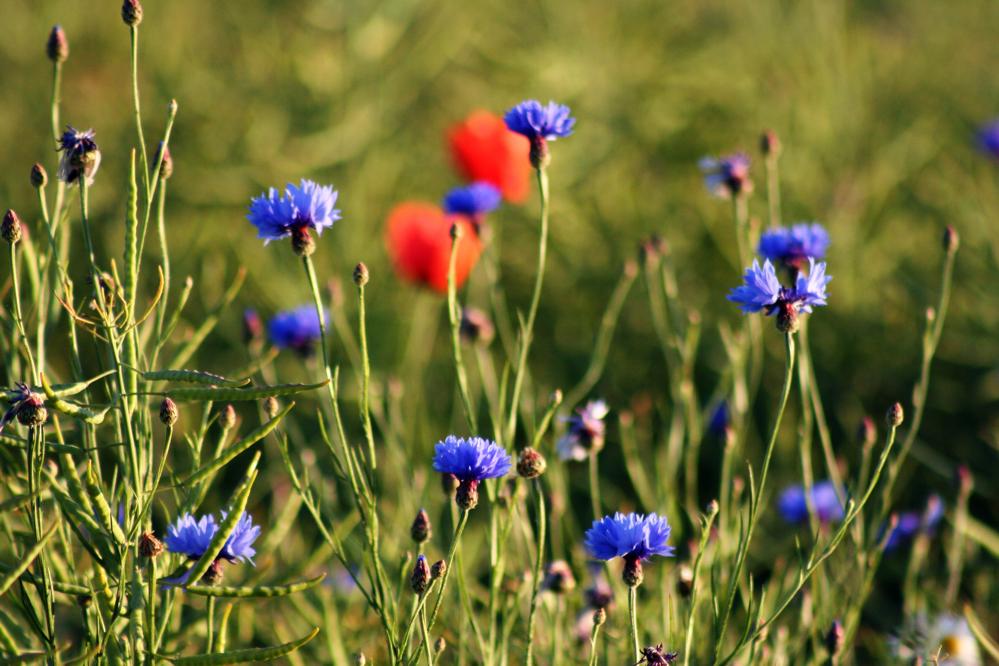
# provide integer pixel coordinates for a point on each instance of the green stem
(633, 617)
(365, 378)
(134, 32)
(18, 316)
(773, 191)
(706, 523)
(536, 580)
(595, 486)
(210, 622)
(454, 317)
(450, 565)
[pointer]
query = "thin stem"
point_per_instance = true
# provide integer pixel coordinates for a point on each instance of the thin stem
(706, 523)
(527, 331)
(450, 565)
(773, 191)
(595, 487)
(18, 316)
(365, 378)
(633, 617)
(593, 644)
(426, 636)
(210, 623)
(454, 318)
(536, 580)
(134, 32)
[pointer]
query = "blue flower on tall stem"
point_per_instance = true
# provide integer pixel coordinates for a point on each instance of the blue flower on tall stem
(793, 505)
(728, 176)
(471, 461)
(296, 329)
(793, 246)
(633, 536)
(988, 139)
(540, 123)
(192, 537)
(761, 290)
(473, 200)
(80, 156)
(294, 213)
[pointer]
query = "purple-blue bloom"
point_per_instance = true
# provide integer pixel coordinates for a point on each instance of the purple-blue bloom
(277, 215)
(472, 200)
(296, 329)
(192, 537)
(794, 507)
(726, 176)
(80, 156)
(988, 139)
(472, 459)
(537, 121)
(793, 245)
(761, 290)
(912, 523)
(721, 420)
(585, 433)
(632, 536)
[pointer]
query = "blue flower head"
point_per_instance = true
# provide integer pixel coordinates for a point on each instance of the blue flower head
(793, 506)
(988, 139)
(538, 121)
(239, 546)
(472, 200)
(296, 329)
(472, 459)
(80, 156)
(792, 246)
(585, 433)
(728, 176)
(631, 536)
(761, 290)
(191, 537)
(278, 215)
(913, 523)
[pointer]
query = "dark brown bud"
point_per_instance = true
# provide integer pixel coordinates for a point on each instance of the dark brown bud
(685, 580)
(169, 412)
(302, 242)
(421, 529)
(39, 178)
(895, 415)
(834, 638)
(770, 144)
(540, 156)
(361, 275)
(419, 580)
(227, 418)
(455, 231)
(467, 496)
(149, 545)
(633, 574)
(599, 617)
(57, 47)
(951, 240)
(214, 574)
(437, 569)
(439, 646)
(10, 229)
(85, 600)
(131, 12)
(531, 464)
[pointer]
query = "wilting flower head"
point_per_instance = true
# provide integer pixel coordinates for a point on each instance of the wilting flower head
(947, 636)
(80, 156)
(912, 523)
(296, 329)
(294, 212)
(631, 536)
(585, 433)
(473, 200)
(792, 246)
(761, 290)
(988, 139)
(794, 507)
(418, 239)
(540, 124)
(727, 176)
(484, 149)
(472, 459)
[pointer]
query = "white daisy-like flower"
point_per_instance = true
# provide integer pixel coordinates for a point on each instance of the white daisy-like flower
(945, 640)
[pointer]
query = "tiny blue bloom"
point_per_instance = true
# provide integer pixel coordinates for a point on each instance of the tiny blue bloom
(791, 246)
(296, 329)
(472, 200)
(720, 421)
(306, 206)
(761, 290)
(726, 176)
(472, 459)
(633, 536)
(585, 433)
(988, 139)
(80, 156)
(537, 121)
(912, 523)
(794, 507)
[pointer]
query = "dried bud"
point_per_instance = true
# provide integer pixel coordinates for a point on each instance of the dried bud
(166, 166)
(421, 529)
(271, 406)
(476, 326)
(867, 432)
(57, 47)
(361, 275)
(531, 464)
(467, 495)
(32, 411)
(633, 574)
(227, 418)
(437, 569)
(449, 485)
(439, 645)
(131, 12)
(419, 580)
(39, 178)
(302, 242)
(951, 239)
(168, 412)
(149, 545)
(770, 144)
(540, 156)
(599, 617)
(10, 229)
(834, 638)
(895, 415)
(685, 580)
(559, 578)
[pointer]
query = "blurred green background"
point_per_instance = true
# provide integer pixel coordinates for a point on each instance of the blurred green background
(876, 104)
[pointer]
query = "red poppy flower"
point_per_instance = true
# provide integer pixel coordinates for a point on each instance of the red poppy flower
(484, 149)
(418, 237)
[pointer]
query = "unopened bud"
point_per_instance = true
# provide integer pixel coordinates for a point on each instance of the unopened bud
(685, 580)
(867, 432)
(770, 144)
(531, 464)
(895, 415)
(360, 659)
(10, 229)
(227, 419)
(476, 326)
(39, 178)
(467, 495)
(271, 406)
(419, 580)
(455, 231)
(437, 569)
(168, 412)
(556, 397)
(131, 12)
(361, 275)
(439, 645)
(166, 166)
(57, 47)
(834, 638)
(149, 545)
(421, 529)
(449, 485)
(712, 508)
(599, 617)
(951, 239)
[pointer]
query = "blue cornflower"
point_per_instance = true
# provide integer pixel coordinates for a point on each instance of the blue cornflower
(296, 329)
(794, 507)
(540, 124)
(471, 461)
(80, 156)
(294, 212)
(912, 523)
(762, 290)
(988, 139)
(472, 200)
(792, 246)
(585, 433)
(727, 176)
(634, 537)
(720, 423)
(191, 537)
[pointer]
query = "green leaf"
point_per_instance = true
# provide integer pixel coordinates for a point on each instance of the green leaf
(193, 377)
(254, 591)
(26, 560)
(244, 656)
(223, 394)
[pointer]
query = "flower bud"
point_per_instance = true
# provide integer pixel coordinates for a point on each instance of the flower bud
(559, 578)
(131, 12)
(685, 580)
(361, 275)
(271, 406)
(32, 411)
(712, 508)
(455, 231)
(85, 600)
(301, 241)
(168, 412)
(227, 418)
(39, 178)
(166, 166)
(360, 659)
(149, 545)
(253, 326)
(421, 529)
(439, 645)
(57, 47)
(951, 239)
(476, 326)
(895, 415)
(834, 638)
(449, 485)
(599, 617)
(419, 580)
(437, 569)
(556, 398)
(867, 432)
(770, 144)
(633, 574)
(10, 229)
(467, 495)
(531, 464)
